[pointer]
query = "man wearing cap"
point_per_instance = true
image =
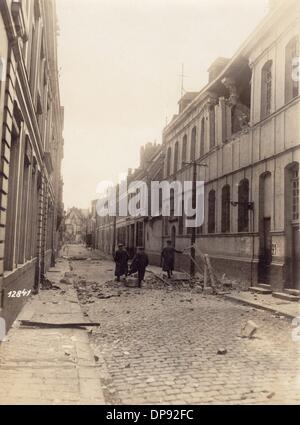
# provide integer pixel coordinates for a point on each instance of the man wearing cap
(168, 258)
(121, 259)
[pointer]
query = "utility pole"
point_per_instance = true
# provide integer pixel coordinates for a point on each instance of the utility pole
(194, 204)
(182, 76)
(194, 164)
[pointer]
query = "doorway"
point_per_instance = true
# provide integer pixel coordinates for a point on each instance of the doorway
(292, 229)
(173, 236)
(296, 257)
(266, 252)
(265, 241)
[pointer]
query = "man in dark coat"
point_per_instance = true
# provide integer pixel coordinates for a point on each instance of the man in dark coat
(121, 259)
(139, 264)
(168, 258)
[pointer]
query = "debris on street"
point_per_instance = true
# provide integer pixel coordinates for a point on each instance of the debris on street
(222, 351)
(249, 329)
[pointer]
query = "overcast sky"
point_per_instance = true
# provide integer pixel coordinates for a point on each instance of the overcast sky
(120, 62)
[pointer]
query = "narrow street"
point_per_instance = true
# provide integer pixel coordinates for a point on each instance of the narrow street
(149, 208)
(158, 345)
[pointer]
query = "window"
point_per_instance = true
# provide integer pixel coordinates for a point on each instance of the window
(291, 69)
(199, 230)
(193, 144)
(181, 221)
(166, 226)
(212, 211)
(25, 203)
(212, 118)
(36, 193)
(225, 209)
(184, 148)
(176, 152)
(169, 152)
(295, 194)
(10, 234)
(243, 205)
(173, 236)
(266, 89)
(202, 138)
(172, 203)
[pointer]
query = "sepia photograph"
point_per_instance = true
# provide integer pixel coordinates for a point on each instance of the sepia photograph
(149, 205)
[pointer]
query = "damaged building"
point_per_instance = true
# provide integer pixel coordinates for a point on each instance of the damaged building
(31, 149)
(242, 132)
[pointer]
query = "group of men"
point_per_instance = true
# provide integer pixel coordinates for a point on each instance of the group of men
(141, 261)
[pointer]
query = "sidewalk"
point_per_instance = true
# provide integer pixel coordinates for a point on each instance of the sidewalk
(287, 309)
(277, 306)
(46, 365)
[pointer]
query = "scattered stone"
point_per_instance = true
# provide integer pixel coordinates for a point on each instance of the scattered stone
(271, 395)
(222, 351)
(208, 290)
(127, 366)
(46, 285)
(96, 358)
(104, 297)
(69, 275)
(66, 281)
(249, 329)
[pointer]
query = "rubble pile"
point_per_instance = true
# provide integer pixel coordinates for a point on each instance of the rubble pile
(179, 282)
(89, 291)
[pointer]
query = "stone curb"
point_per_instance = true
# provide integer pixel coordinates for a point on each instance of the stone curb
(259, 306)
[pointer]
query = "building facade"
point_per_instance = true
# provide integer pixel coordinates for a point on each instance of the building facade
(143, 230)
(76, 226)
(243, 128)
(31, 126)
(242, 131)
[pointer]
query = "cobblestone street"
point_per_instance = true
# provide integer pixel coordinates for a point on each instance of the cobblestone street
(160, 346)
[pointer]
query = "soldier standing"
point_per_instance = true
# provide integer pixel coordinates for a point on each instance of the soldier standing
(121, 258)
(168, 258)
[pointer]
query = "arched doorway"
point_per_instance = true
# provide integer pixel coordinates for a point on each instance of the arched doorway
(292, 229)
(265, 217)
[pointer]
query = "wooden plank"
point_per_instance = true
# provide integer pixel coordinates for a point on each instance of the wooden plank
(57, 325)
